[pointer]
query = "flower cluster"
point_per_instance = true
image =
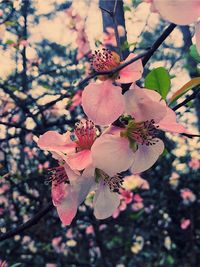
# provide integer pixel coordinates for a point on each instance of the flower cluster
(92, 158)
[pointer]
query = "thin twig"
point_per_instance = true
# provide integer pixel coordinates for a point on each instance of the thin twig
(33, 221)
(158, 42)
(188, 99)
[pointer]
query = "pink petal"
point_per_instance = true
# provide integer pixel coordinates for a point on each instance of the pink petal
(132, 72)
(57, 193)
(68, 207)
(65, 200)
(168, 123)
(197, 36)
(112, 154)
(180, 12)
(80, 160)
(153, 95)
(141, 107)
(105, 202)
(146, 156)
(103, 102)
(85, 184)
(54, 141)
(71, 174)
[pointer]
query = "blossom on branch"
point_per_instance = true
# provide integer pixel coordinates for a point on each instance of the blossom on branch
(103, 102)
(136, 146)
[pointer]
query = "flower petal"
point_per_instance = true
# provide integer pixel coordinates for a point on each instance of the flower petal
(112, 154)
(132, 72)
(146, 156)
(181, 12)
(141, 107)
(56, 142)
(57, 193)
(67, 208)
(168, 123)
(197, 36)
(80, 160)
(105, 202)
(103, 102)
(85, 184)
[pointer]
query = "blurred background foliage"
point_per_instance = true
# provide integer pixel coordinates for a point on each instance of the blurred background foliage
(44, 51)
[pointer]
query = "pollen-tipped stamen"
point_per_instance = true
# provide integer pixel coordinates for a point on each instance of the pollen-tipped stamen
(143, 133)
(85, 132)
(104, 60)
(114, 182)
(57, 175)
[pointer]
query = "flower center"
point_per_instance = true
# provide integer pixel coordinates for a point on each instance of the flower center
(104, 60)
(115, 182)
(143, 133)
(85, 132)
(57, 176)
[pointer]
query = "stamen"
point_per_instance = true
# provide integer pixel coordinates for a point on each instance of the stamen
(85, 132)
(115, 182)
(144, 133)
(57, 176)
(104, 60)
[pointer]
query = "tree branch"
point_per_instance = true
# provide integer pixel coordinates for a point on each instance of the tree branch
(33, 221)
(188, 99)
(158, 42)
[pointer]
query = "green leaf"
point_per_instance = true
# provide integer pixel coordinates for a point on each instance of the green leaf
(135, 216)
(11, 23)
(9, 42)
(158, 80)
(170, 260)
(193, 53)
(165, 152)
(127, 8)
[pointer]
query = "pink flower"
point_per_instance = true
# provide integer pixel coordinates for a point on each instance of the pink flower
(76, 153)
(194, 164)
(103, 102)
(69, 233)
(126, 198)
(106, 60)
(187, 195)
(137, 206)
(137, 198)
(89, 230)
(126, 195)
(69, 190)
(136, 146)
(185, 223)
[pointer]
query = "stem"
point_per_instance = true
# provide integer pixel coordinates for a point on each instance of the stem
(188, 99)
(158, 42)
(33, 221)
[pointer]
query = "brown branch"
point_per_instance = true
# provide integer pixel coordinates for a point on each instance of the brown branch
(158, 42)
(33, 221)
(188, 99)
